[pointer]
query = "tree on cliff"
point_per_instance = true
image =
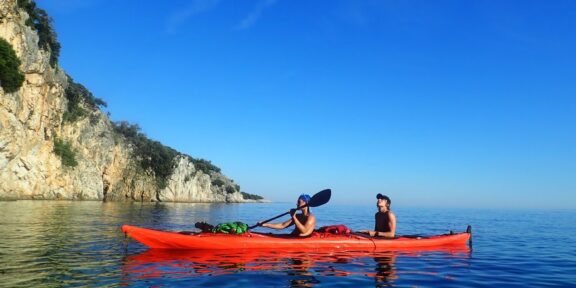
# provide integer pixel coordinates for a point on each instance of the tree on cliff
(11, 78)
(76, 94)
(40, 21)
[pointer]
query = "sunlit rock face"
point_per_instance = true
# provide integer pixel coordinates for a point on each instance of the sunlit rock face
(107, 169)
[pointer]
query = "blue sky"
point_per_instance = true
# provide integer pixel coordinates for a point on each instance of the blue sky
(435, 103)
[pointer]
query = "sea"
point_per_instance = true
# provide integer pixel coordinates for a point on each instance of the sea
(80, 244)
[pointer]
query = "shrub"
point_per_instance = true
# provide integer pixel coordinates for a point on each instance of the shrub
(64, 150)
(76, 94)
(218, 182)
(204, 165)
(230, 189)
(74, 113)
(94, 119)
(249, 196)
(42, 23)
(11, 78)
(151, 155)
(154, 156)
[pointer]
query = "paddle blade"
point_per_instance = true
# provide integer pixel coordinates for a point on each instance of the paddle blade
(320, 198)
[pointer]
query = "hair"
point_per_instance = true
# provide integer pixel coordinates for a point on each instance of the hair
(305, 197)
(384, 197)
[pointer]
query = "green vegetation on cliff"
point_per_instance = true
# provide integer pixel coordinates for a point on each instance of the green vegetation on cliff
(64, 150)
(218, 182)
(76, 94)
(155, 157)
(151, 155)
(230, 189)
(203, 165)
(11, 78)
(42, 23)
(249, 196)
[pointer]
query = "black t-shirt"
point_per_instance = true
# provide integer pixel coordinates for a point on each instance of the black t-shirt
(382, 220)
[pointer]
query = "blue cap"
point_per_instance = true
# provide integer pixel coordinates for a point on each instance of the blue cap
(305, 197)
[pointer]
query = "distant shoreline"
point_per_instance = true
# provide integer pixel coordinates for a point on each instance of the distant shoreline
(11, 199)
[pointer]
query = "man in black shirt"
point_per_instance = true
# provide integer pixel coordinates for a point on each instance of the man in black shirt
(385, 220)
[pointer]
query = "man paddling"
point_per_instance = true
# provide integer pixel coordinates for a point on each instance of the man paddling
(305, 222)
(385, 220)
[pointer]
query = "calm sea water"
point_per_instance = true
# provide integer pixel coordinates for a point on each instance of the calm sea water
(62, 244)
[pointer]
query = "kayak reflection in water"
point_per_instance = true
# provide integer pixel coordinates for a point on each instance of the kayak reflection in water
(305, 222)
(385, 220)
(385, 269)
(298, 270)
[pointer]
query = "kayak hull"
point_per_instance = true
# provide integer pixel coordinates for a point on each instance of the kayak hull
(157, 239)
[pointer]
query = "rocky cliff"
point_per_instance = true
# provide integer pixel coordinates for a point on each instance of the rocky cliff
(107, 165)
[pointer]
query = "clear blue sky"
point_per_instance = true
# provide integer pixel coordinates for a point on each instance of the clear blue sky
(435, 103)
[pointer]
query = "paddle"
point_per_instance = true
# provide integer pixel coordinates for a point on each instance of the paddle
(318, 199)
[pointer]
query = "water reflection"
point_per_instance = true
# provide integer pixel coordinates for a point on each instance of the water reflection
(65, 243)
(303, 268)
(298, 271)
(385, 269)
(54, 244)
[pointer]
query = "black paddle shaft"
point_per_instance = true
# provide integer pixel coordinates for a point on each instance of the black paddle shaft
(266, 221)
(318, 199)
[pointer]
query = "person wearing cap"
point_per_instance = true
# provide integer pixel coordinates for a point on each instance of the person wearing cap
(305, 222)
(385, 220)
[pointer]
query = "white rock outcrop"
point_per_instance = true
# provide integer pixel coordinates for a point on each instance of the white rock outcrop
(32, 117)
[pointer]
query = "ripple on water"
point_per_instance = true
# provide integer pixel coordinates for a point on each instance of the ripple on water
(60, 243)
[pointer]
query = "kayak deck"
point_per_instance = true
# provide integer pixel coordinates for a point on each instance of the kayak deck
(158, 239)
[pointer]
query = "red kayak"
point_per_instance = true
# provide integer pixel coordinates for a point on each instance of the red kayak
(252, 240)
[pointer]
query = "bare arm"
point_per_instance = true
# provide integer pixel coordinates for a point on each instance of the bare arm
(305, 228)
(279, 226)
(372, 232)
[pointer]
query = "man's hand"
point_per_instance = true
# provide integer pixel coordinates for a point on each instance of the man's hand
(292, 212)
(371, 233)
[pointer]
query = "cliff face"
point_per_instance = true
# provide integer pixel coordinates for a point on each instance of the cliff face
(32, 117)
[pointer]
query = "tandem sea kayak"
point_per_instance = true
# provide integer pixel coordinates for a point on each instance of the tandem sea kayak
(158, 239)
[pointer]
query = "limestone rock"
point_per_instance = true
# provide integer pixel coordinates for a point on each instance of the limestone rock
(32, 117)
